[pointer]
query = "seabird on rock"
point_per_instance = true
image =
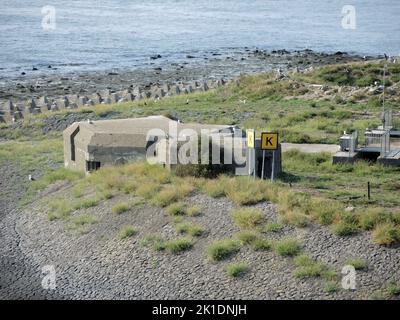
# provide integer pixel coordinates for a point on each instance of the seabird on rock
(30, 178)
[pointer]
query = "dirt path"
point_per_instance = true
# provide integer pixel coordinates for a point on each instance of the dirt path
(310, 148)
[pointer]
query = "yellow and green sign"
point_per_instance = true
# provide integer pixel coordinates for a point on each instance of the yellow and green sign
(250, 138)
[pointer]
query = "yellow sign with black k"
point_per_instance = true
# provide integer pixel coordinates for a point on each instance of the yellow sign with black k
(269, 141)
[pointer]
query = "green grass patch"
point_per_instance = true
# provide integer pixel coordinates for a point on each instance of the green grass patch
(287, 247)
(247, 237)
(190, 229)
(176, 209)
(127, 231)
(308, 267)
(357, 263)
(235, 270)
(179, 245)
(273, 227)
(247, 218)
(386, 233)
(120, 207)
(220, 250)
(154, 241)
(194, 211)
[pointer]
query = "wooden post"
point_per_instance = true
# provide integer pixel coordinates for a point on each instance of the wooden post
(369, 191)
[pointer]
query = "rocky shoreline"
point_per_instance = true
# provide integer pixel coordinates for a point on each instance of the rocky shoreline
(27, 94)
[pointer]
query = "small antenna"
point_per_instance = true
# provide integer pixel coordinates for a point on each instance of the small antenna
(383, 97)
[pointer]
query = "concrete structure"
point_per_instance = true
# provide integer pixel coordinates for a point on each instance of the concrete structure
(93, 144)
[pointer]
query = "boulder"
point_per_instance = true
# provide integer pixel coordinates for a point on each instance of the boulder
(176, 90)
(31, 104)
(18, 115)
(96, 98)
(54, 106)
(114, 97)
(63, 103)
(166, 87)
(129, 97)
(45, 107)
(43, 101)
(82, 100)
(8, 106)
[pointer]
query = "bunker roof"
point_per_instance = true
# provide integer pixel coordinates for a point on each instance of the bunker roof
(115, 132)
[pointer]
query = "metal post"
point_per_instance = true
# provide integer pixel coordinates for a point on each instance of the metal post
(263, 164)
(250, 159)
(273, 167)
(254, 163)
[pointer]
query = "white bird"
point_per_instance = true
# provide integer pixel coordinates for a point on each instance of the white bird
(242, 101)
(30, 178)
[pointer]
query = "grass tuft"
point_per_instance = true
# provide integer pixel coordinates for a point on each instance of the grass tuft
(176, 209)
(287, 247)
(386, 233)
(190, 229)
(222, 249)
(194, 211)
(273, 227)
(357, 263)
(127, 231)
(120, 207)
(235, 270)
(247, 218)
(179, 245)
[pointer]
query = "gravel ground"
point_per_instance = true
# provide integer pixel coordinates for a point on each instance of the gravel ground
(20, 277)
(99, 265)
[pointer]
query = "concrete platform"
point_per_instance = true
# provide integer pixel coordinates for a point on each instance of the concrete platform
(345, 157)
